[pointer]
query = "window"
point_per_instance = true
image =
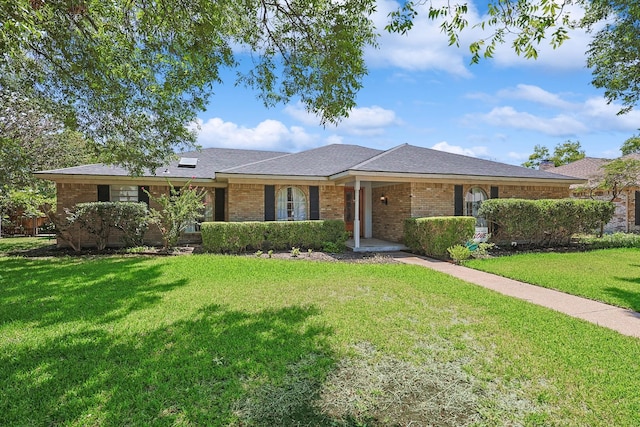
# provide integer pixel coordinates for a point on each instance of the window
(124, 193)
(473, 200)
(291, 204)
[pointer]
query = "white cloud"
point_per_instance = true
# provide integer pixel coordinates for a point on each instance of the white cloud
(508, 117)
(267, 135)
(426, 47)
(601, 115)
(456, 149)
(535, 94)
(362, 121)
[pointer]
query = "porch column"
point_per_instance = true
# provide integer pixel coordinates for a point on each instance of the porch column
(356, 220)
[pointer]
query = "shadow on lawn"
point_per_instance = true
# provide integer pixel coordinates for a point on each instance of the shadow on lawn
(48, 291)
(201, 371)
(631, 299)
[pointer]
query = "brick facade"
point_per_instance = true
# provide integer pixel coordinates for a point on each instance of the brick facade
(70, 194)
(424, 199)
(245, 202)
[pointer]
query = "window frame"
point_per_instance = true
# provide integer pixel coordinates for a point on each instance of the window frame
(295, 202)
(472, 204)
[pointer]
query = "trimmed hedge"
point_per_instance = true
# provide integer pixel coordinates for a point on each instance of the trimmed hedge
(237, 237)
(546, 222)
(434, 235)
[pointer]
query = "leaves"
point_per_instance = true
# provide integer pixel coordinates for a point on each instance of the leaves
(132, 74)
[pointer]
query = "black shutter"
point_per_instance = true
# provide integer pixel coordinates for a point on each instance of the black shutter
(142, 196)
(494, 192)
(314, 202)
(219, 213)
(637, 201)
(458, 205)
(269, 202)
(103, 193)
(493, 227)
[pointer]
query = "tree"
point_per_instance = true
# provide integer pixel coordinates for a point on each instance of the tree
(177, 210)
(31, 139)
(631, 145)
(132, 74)
(613, 54)
(565, 153)
(620, 175)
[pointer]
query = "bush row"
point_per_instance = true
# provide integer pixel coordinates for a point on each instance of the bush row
(433, 236)
(545, 222)
(237, 237)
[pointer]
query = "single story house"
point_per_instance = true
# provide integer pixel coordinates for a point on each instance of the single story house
(627, 213)
(372, 190)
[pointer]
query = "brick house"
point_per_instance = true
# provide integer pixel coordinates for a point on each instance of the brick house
(627, 212)
(373, 191)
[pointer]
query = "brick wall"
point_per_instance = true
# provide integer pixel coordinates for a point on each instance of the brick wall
(423, 199)
(70, 194)
(625, 204)
(387, 220)
(245, 202)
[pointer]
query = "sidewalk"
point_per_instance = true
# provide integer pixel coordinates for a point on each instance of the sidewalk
(627, 322)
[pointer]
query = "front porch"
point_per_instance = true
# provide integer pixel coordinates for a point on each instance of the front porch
(375, 245)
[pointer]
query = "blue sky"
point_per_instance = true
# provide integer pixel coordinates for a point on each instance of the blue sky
(423, 92)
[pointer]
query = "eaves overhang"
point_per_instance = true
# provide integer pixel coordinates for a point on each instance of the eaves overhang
(85, 178)
(350, 175)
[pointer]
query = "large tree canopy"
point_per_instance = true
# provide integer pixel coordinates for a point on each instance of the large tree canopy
(563, 154)
(613, 55)
(131, 74)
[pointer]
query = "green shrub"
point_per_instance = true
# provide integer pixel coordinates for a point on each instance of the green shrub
(178, 210)
(433, 236)
(459, 253)
(547, 222)
(237, 237)
(100, 218)
(615, 240)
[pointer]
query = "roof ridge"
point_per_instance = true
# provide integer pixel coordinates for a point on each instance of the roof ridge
(379, 155)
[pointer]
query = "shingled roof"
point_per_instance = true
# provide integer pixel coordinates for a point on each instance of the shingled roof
(327, 162)
(589, 168)
(210, 161)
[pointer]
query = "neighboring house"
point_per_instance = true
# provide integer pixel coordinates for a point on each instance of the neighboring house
(373, 191)
(627, 213)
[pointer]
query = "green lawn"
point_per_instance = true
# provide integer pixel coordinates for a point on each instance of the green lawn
(17, 244)
(240, 341)
(607, 275)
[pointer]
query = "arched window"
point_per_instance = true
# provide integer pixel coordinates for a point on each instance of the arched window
(291, 204)
(473, 200)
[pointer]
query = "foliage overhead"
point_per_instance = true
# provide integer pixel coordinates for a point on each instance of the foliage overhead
(564, 153)
(631, 145)
(31, 139)
(613, 53)
(132, 74)
(620, 175)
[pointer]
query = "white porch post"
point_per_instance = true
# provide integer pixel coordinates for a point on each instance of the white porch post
(356, 220)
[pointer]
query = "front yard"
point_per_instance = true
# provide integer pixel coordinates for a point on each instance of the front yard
(221, 340)
(609, 275)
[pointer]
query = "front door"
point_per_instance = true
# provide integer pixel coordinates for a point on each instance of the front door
(350, 209)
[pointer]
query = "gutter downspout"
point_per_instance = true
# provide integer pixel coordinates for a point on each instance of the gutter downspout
(356, 220)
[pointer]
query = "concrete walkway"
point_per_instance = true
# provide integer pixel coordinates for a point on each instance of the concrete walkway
(627, 322)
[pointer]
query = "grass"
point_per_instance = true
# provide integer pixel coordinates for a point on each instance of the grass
(17, 244)
(608, 275)
(237, 341)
